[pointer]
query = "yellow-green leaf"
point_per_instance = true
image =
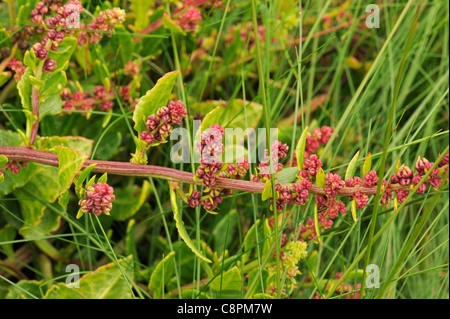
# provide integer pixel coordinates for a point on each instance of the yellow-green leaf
(320, 178)
(161, 275)
(316, 223)
(352, 166)
(181, 229)
(267, 192)
(367, 164)
(353, 207)
(300, 149)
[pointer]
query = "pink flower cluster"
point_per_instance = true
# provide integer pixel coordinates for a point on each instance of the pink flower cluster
(98, 199)
(159, 126)
(279, 151)
(100, 97)
(190, 18)
(57, 28)
(18, 67)
(101, 25)
(211, 148)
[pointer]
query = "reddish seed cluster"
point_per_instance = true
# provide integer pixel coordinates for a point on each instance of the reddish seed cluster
(320, 136)
(344, 289)
(57, 28)
(100, 97)
(406, 177)
(98, 199)
(278, 151)
(14, 167)
(159, 126)
(211, 148)
(103, 24)
(190, 18)
(18, 67)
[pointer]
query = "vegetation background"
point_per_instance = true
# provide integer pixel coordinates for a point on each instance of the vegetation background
(323, 67)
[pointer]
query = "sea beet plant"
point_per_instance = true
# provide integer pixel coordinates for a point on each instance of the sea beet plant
(210, 149)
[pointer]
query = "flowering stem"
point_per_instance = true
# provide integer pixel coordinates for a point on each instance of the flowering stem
(35, 98)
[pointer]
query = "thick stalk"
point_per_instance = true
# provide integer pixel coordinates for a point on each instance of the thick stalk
(16, 153)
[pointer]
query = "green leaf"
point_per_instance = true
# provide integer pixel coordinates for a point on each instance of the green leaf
(158, 96)
(125, 41)
(140, 9)
(3, 160)
(228, 285)
(161, 275)
(4, 77)
(103, 179)
(300, 149)
(316, 223)
(254, 281)
(367, 165)
(267, 192)
(77, 143)
(106, 282)
(79, 180)
(30, 59)
(223, 232)
(25, 289)
(38, 219)
(63, 54)
(264, 239)
(180, 226)
(7, 234)
(286, 175)
(229, 114)
(353, 208)
(129, 200)
(70, 163)
(352, 166)
(320, 178)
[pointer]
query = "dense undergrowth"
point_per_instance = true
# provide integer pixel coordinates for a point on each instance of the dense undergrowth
(224, 149)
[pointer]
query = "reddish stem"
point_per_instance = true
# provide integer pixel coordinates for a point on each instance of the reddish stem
(128, 169)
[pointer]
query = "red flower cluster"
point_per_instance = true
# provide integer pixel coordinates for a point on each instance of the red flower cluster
(98, 199)
(159, 126)
(211, 148)
(103, 24)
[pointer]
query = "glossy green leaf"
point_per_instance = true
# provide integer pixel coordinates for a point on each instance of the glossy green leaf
(106, 282)
(70, 163)
(158, 96)
(161, 275)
